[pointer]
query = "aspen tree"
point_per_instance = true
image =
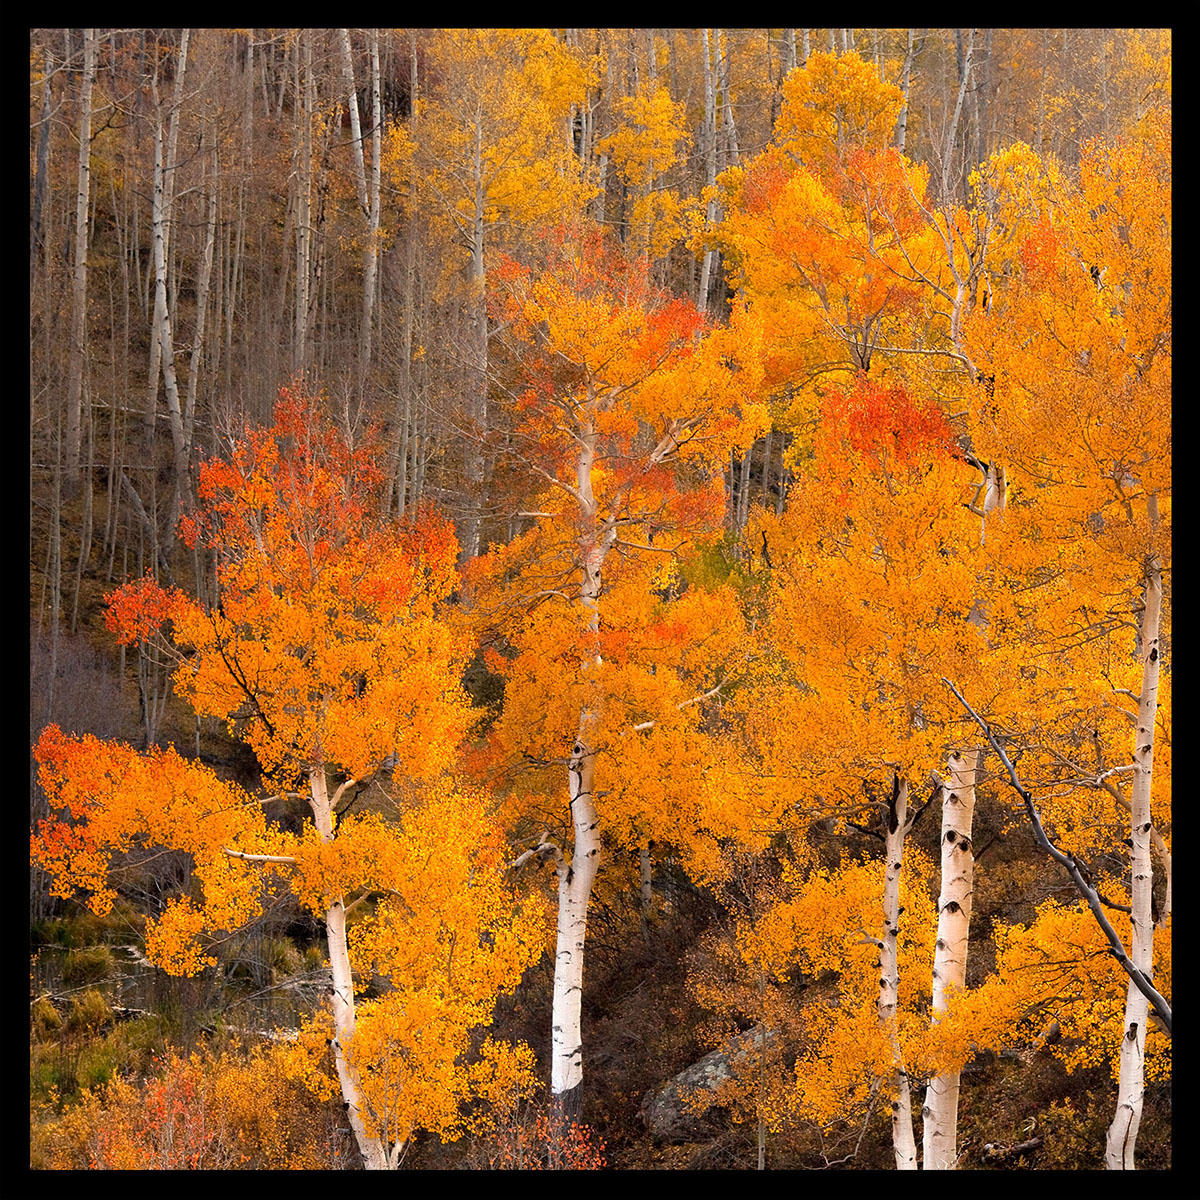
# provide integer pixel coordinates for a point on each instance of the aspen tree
(328, 656)
(620, 383)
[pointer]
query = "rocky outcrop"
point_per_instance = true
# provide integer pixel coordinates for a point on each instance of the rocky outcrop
(671, 1113)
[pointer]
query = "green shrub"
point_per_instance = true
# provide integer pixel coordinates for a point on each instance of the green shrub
(281, 955)
(44, 1019)
(90, 1012)
(89, 965)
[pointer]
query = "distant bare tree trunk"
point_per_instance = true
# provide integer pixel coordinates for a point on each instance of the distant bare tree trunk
(742, 506)
(304, 240)
(766, 473)
(710, 170)
(905, 82)
(371, 264)
(165, 143)
(732, 153)
(78, 343)
(203, 286)
(42, 165)
(952, 130)
(367, 186)
(85, 533)
(475, 464)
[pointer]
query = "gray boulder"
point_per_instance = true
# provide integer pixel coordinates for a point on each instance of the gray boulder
(666, 1112)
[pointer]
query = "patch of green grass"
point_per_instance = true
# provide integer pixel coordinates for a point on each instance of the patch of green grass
(89, 965)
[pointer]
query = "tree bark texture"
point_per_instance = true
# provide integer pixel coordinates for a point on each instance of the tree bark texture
(903, 1142)
(1131, 1085)
(375, 1155)
(78, 345)
(950, 951)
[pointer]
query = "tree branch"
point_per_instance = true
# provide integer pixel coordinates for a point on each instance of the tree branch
(1085, 889)
(272, 858)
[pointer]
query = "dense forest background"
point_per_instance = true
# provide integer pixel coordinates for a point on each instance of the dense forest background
(219, 213)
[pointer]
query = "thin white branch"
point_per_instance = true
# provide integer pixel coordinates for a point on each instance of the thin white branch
(273, 858)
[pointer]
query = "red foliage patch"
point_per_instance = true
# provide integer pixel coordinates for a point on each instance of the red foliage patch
(138, 610)
(872, 419)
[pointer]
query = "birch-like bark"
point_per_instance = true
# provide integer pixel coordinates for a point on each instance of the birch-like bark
(576, 876)
(789, 51)
(78, 344)
(732, 153)
(477, 358)
(742, 501)
(371, 253)
(905, 82)
(367, 187)
(162, 204)
(375, 1155)
(304, 151)
(952, 131)
(903, 1142)
(710, 171)
(202, 289)
(36, 228)
(950, 951)
(1122, 1133)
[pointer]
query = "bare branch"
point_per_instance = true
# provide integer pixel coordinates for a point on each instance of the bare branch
(1085, 889)
(271, 858)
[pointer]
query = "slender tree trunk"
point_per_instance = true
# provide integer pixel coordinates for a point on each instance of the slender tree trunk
(1122, 1133)
(477, 361)
(42, 165)
(163, 335)
(710, 170)
(789, 51)
(304, 252)
(766, 472)
(903, 1142)
(78, 343)
(950, 951)
(85, 535)
(203, 285)
(905, 84)
(732, 153)
(375, 1155)
(742, 502)
(576, 876)
(371, 252)
(952, 130)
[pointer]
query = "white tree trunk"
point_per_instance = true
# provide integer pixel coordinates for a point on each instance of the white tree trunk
(162, 206)
(1122, 1133)
(78, 344)
(304, 153)
(375, 1155)
(950, 952)
(710, 171)
(575, 877)
(952, 130)
(371, 253)
(905, 82)
(202, 290)
(903, 1142)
